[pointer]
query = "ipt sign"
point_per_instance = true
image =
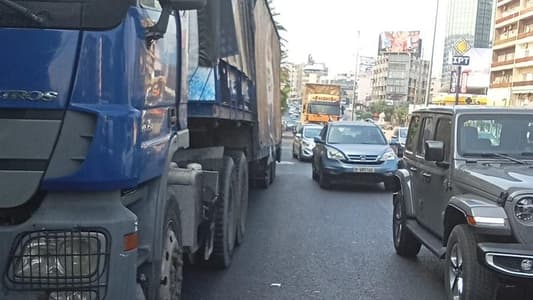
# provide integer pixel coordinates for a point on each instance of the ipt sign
(459, 60)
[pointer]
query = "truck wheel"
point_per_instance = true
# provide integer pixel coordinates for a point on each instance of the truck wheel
(225, 226)
(241, 164)
(264, 170)
(464, 277)
(172, 258)
(272, 174)
(405, 243)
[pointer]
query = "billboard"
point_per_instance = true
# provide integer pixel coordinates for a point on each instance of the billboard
(400, 42)
(475, 78)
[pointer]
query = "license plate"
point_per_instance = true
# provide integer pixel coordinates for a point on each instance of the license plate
(364, 170)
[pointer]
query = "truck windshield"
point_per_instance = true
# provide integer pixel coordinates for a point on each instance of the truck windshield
(63, 14)
(488, 135)
(325, 109)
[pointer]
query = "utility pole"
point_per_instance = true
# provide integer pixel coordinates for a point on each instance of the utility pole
(430, 73)
(356, 75)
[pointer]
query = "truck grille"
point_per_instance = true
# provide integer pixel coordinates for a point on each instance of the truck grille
(72, 264)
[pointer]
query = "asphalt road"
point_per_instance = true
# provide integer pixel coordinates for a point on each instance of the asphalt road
(306, 243)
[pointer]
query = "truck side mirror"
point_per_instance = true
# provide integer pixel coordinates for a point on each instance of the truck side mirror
(158, 30)
(434, 151)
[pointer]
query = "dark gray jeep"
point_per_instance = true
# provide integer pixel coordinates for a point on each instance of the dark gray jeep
(465, 191)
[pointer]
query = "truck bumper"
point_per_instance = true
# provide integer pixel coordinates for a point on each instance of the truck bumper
(512, 260)
(77, 244)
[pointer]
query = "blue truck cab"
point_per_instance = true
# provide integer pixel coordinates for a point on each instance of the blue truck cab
(129, 132)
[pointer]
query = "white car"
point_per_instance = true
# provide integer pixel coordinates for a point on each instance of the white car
(303, 144)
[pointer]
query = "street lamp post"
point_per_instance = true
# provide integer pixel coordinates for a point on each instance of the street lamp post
(430, 73)
(356, 74)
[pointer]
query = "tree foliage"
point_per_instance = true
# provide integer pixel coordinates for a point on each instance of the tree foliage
(284, 76)
(396, 114)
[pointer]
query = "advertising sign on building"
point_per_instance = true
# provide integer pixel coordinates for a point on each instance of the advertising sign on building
(400, 42)
(475, 77)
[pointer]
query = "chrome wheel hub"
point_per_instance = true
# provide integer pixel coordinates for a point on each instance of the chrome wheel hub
(455, 270)
(171, 268)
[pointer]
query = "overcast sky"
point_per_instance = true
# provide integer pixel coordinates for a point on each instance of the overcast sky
(327, 29)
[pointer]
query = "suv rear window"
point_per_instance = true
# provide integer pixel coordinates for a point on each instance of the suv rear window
(354, 134)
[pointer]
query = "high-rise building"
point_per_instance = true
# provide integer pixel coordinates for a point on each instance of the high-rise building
(400, 77)
(512, 60)
(296, 72)
(470, 20)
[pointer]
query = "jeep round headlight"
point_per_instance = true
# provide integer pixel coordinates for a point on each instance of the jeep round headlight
(524, 210)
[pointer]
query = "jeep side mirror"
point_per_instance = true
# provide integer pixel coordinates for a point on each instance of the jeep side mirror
(318, 140)
(434, 151)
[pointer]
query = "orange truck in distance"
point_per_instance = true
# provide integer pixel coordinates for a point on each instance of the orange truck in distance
(321, 103)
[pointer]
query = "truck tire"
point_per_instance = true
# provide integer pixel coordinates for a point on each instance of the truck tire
(172, 259)
(465, 278)
(225, 225)
(405, 243)
(242, 193)
(264, 170)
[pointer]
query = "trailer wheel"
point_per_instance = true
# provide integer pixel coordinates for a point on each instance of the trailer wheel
(263, 170)
(172, 258)
(272, 174)
(225, 217)
(242, 193)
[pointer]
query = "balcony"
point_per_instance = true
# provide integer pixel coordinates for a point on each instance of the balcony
(500, 85)
(503, 2)
(509, 17)
(523, 83)
(524, 59)
(524, 35)
(502, 63)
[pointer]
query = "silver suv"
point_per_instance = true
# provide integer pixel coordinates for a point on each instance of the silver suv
(464, 190)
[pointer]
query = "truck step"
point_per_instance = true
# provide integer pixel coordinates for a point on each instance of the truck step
(429, 240)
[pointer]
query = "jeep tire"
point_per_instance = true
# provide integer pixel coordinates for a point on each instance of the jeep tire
(405, 243)
(465, 278)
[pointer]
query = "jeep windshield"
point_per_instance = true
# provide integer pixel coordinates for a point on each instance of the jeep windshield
(63, 14)
(496, 136)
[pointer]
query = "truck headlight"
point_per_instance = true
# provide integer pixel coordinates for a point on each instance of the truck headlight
(524, 210)
(333, 153)
(389, 155)
(59, 258)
